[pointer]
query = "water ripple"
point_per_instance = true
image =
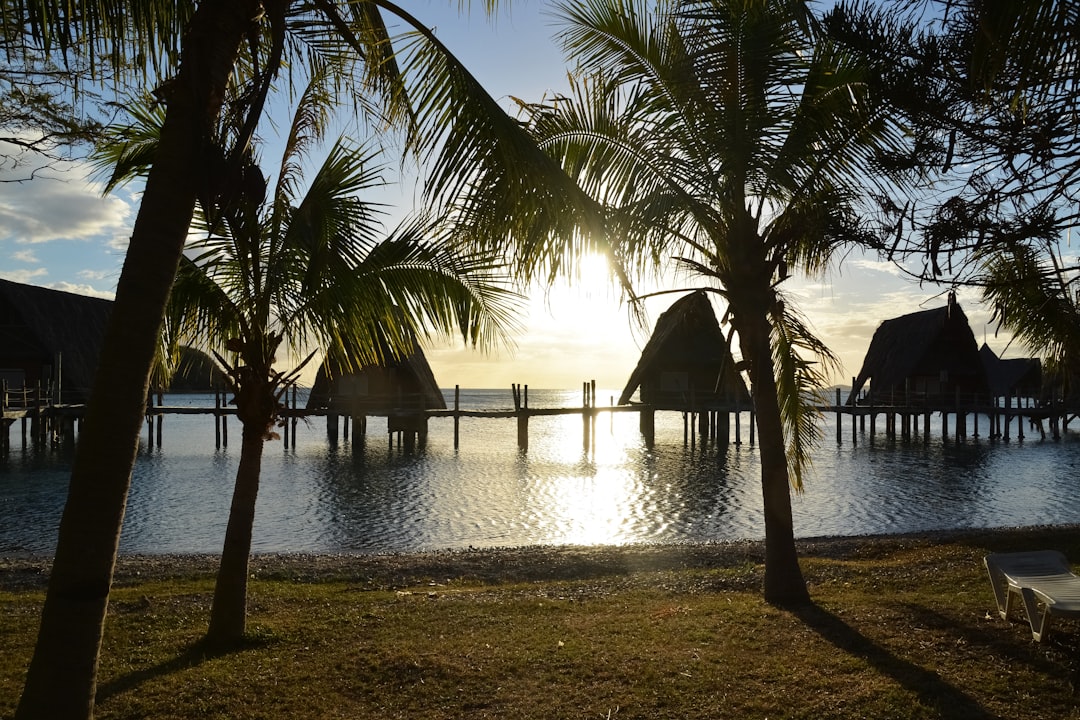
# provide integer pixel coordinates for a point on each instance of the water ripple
(322, 497)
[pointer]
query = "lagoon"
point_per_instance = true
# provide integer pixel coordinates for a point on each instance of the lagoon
(323, 497)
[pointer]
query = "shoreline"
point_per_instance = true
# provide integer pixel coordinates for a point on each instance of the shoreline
(537, 563)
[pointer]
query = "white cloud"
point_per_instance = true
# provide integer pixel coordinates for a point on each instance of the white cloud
(61, 206)
(26, 256)
(82, 290)
(23, 276)
(880, 266)
(97, 274)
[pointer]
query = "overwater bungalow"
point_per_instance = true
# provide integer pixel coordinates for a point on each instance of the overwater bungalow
(402, 389)
(50, 339)
(399, 384)
(1015, 377)
(687, 363)
(195, 372)
(925, 358)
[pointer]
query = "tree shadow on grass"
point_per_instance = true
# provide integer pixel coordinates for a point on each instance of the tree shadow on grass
(931, 690)
(195, 654)
(1057, 656)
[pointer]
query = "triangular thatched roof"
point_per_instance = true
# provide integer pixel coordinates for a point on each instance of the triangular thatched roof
(43, 329)
(687, 363)
(405, 383)
(932, 352)
(196, 372)
(1023, 375)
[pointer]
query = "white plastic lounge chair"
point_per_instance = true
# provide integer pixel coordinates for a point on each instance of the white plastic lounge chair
(1040, 577)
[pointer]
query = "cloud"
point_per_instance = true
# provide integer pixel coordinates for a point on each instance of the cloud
(23, 276)
(83, 290)
(61, 206)
(97, 274)
(25, 256)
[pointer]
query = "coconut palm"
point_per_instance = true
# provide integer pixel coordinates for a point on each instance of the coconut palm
(1034, 295)
(192, 52)
(269, 274)
(730, 141)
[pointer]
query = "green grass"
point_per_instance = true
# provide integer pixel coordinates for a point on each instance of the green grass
(899, 629)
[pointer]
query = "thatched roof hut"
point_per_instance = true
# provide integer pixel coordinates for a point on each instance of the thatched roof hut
(923, 357)
(196, 372)
(406, 383)
(1013, 377)
(687, 363)
(52, 338)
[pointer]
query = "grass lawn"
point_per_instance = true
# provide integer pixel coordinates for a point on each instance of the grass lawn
(900, 628)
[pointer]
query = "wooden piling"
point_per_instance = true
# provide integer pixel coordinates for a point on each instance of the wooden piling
(521, 405)
(457, 416)
(839, 420)
(1019, 417)
(332, 427)
(285, 432)
(1007, 417)
(586, 425)
(975, 416)
(359, 430)
(738, 423)
(647, 425)
(292, 422)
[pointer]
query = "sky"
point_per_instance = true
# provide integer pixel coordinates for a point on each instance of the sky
(59, 231)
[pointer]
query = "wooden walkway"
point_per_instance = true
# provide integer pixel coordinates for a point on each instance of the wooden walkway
(53, 423)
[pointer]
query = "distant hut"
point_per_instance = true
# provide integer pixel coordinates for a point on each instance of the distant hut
(404, 384)
(687, 363)
(1015, 377)
(923, 357)
(196, 372)
(50, 338)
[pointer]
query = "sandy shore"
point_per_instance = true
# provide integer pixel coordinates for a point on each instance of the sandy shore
(537, 563)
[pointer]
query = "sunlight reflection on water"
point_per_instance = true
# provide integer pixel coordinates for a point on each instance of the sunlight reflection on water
(319, 497)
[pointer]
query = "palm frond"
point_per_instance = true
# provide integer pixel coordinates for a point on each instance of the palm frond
(1038, 301)
(802, 365)
(102, 32)
(127, 152)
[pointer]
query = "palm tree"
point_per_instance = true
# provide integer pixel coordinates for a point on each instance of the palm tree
(268, 274)
(1034, 295)
(732, 141)
(199, 49)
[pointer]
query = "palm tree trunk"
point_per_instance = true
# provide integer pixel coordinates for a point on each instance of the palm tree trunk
(784, 583)
(228, 615)
(62, 679)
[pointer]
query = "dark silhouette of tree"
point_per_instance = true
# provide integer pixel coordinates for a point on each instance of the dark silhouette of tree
(734, 144)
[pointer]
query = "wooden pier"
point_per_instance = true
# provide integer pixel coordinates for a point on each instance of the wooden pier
(48, 423)
(903, 417)
(31, 408)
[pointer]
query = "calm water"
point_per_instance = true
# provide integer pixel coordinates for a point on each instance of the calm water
(373, 498)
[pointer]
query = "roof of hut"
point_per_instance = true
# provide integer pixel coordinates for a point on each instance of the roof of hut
(411, 375)
(920, 343)
(1005, 376)
(195, 372)
(39, 324)
(687, 335)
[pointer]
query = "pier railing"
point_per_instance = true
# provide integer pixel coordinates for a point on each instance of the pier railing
(27, 405)
(407, 418)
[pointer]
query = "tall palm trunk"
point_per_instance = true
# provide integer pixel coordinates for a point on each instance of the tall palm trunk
(784, 583)
(228, 615)
(62, 679)
(256, 408)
